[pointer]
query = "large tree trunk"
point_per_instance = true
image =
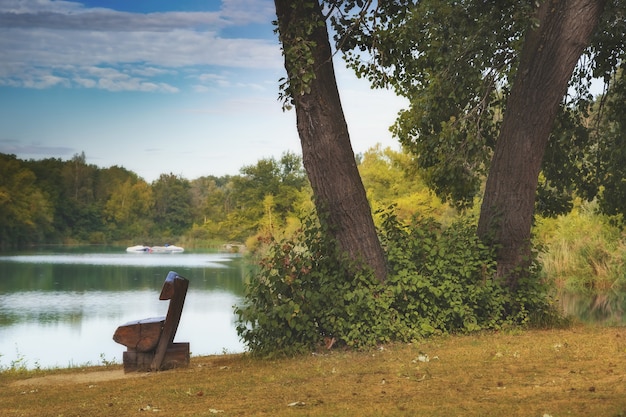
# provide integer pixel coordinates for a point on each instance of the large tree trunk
(327, 154)
(547, 61)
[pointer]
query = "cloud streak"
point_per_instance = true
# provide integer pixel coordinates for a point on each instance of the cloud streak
(46, 43)
(15, 147)
(110, 20)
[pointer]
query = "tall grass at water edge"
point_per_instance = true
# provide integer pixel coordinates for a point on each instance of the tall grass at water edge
(583, 251)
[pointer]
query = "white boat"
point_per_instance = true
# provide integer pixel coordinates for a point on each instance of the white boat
(138, 249)
(166, 249)
(155, 249)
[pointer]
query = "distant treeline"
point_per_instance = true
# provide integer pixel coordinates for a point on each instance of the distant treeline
(52, 201)
(55, 201)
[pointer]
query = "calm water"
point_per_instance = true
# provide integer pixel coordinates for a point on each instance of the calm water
(61, 308)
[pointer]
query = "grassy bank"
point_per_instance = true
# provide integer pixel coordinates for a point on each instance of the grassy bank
(579, 371)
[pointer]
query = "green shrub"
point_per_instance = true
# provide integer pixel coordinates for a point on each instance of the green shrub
(305, 293)
(441, 280)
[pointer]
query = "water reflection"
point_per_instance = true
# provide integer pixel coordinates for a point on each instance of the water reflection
(603, 308)
(62, 309)
(113, 272)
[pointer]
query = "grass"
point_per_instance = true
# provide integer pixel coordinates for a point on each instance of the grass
(583, 250)
(580, 371)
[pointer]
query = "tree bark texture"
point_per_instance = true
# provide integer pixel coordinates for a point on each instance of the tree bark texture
(548, 58)
(327, 154)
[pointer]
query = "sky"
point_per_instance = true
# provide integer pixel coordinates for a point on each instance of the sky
(184, 87)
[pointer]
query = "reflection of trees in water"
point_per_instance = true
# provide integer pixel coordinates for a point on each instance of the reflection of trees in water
(603, 307)
(25, 276)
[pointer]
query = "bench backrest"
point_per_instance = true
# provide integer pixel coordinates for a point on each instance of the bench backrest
(175, 290)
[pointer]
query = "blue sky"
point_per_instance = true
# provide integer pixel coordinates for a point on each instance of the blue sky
(187, 87)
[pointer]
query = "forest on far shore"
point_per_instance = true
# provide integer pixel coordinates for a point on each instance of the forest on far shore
(54, 201)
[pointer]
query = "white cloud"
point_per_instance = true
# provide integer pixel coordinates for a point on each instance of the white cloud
(168, 49)
(116, 81)
(105, 78)
(200, 88)
(30, 6)
(150, 71)
(248, 11)
(208, 80)
(57, 36)
(109, 20)
(73, 15)
(84, 82)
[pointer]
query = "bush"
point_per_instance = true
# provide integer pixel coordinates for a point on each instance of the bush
(441, 280)
(305, 294)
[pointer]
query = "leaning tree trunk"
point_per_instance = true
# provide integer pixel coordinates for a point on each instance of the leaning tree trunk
(548, 58)
(327, 154)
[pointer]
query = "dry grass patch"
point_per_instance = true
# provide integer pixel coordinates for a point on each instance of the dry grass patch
(575, 372)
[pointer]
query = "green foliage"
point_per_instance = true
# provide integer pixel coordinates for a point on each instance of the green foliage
(453, 62)
(583, 251)
(262, 199)
(445, 280)
(456, 61)
(172, 204)
(391, 178)
(295, 26)
(304, 292)
(52, 201)
(25, 214)
(128, 210)
(440, 281)
(611, 149)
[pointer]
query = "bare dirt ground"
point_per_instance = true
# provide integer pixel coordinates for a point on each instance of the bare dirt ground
(80, 378)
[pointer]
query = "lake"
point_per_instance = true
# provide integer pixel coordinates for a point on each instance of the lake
(60, 307)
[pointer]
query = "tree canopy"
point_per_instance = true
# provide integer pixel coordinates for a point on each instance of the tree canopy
(456, 62)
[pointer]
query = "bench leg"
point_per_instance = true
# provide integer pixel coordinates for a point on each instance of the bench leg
(176, 356)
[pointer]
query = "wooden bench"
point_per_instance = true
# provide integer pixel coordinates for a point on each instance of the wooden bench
(150, 342)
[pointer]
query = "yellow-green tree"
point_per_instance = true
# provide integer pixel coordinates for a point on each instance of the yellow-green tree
(129, 210)
(25, 214)
(390, 178)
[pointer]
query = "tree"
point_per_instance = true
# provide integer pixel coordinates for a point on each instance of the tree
(24, 211)
(328, 157)
(82, 212)
(49, 179)
(486, 82)
(172, 204)
(270, 186)
(611, 149)
(547, 61)
(129, 210)
(390, 178)
(79, 179)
